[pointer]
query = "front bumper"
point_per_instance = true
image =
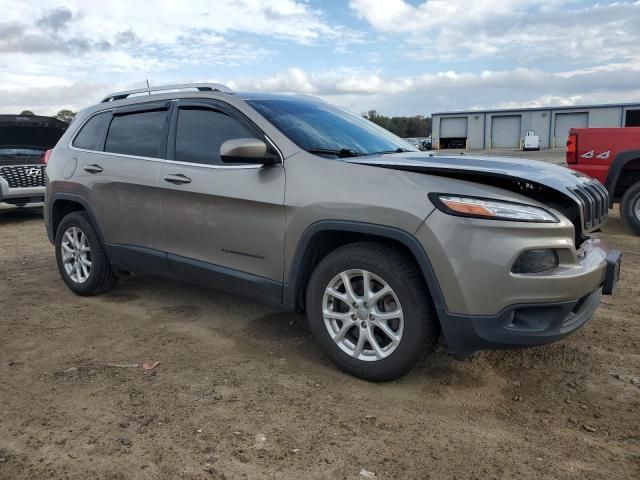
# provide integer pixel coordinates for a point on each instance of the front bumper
(526, 325)
(517, 326)
(483, 304)
(472, 261)
(17, 188)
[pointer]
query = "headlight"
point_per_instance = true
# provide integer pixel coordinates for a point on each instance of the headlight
(488, 208)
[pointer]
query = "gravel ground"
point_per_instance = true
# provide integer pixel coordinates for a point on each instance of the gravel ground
(241, 390)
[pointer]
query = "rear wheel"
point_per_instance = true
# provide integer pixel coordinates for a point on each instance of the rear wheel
(82, 263)
(370, 311)
(630, 207)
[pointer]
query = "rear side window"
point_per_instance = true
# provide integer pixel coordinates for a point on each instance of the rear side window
(92, 133)
(200, 133)
(138, 134)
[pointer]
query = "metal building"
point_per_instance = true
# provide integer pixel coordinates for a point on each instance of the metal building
(494, 129)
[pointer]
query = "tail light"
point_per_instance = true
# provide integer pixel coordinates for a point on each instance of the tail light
(572, 148)
(45, 156)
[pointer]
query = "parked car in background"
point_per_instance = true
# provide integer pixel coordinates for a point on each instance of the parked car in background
(382, 245)
(24, 140)
(612, 156)
(531, 141)
(421, 143)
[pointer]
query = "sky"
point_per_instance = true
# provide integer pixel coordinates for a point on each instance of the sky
(398, 57)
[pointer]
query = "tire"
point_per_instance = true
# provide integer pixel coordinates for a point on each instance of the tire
(100, 276)
(630, 207)
(416, 330)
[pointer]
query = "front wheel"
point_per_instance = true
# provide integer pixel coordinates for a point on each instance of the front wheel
(369, 310)
(82, 263)
(630, 207)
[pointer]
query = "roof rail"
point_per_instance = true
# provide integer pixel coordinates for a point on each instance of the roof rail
(201, 87)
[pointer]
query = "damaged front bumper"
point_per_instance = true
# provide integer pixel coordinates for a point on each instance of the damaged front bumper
(527, 325)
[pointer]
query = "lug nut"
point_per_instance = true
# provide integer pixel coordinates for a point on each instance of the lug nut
(371, 317)
(363, 324)
(353, 316)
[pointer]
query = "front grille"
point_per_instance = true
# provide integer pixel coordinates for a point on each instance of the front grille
(594, 200)
(24, 176)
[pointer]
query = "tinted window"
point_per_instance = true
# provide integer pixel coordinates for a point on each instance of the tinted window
(200, 133)
(137, 134)
(92, 133)
(317, 126)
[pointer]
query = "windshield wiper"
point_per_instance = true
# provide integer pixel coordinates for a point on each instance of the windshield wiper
(342, 152)
(383, 152)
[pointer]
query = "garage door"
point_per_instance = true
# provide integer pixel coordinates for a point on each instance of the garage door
(505, 131)
(454, 127)
(566, 121)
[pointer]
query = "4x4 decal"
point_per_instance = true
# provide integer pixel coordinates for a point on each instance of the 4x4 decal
(592, 153)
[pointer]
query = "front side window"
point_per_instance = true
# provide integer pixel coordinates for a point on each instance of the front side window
(138, 134)
(201, 132)
(320, 128)
(91, 134)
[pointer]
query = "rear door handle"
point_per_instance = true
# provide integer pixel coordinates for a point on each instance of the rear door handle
(95, 168)
(177, 179)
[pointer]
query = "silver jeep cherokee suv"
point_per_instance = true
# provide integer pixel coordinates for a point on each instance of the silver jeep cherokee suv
(297, 202)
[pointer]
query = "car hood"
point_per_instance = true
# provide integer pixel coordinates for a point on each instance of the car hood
(30, 131)
(466, 166)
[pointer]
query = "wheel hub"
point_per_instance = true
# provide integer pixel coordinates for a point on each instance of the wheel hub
(363, 313)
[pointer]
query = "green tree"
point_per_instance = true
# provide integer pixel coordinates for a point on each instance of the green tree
(416, 126)
(65, 115)
(26, 112)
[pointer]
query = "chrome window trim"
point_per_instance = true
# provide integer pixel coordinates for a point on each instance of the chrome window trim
(164, 160)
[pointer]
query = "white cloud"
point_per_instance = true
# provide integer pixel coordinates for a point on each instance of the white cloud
(361, 90)
(49, 46)
(430, 92)
(121, 37)
(525, 32)
(165, 21)
(54, 56)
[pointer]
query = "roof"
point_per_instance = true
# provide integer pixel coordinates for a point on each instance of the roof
(539, 109)
(275, 96)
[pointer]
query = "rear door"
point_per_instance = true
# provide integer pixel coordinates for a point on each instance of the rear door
(120, 172)
(223, 223)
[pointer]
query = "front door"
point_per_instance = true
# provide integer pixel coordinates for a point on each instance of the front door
(223, 224)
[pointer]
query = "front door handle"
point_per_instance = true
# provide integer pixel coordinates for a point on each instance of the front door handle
(177, 179)
(95, 168)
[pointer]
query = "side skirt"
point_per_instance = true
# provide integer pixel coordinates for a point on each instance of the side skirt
(145, 260)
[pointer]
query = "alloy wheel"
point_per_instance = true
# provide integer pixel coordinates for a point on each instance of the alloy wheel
(76, 254)
(363, 315)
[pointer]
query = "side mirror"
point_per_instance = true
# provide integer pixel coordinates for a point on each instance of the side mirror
(246, 150)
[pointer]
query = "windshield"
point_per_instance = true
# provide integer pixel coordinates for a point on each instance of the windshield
(323, 129)
(19, 152)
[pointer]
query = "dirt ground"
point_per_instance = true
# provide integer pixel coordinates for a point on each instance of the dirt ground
(242, 391)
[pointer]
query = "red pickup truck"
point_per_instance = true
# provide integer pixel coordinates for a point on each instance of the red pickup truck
(611, 155)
